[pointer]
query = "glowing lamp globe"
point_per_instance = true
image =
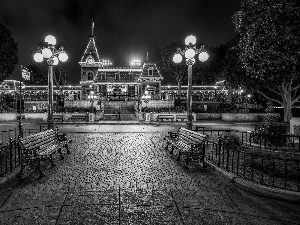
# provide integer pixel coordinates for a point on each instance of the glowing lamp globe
(47, 53)
(63, 56)
(55, 61)
(203, 56)
(50, 40)
(190, 53)
(38, 57)
(190, 39)
(177, 58)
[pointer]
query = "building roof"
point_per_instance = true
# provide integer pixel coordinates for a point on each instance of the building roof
(146, 73)
(90, 52)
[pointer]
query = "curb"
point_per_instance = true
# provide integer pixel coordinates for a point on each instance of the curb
(256, 188)
(9, 177)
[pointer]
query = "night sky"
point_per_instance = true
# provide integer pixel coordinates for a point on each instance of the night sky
(124, 29)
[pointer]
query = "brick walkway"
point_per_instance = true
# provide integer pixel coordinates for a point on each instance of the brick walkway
(128, 178)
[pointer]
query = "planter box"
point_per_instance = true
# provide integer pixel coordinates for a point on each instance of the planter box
(208, 116)
(153, 116)
(253, 117)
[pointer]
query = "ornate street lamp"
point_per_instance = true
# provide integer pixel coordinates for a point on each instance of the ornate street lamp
(53, 56)
(189, 52)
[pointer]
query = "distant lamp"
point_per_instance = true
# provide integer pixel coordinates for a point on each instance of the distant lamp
(63, 56)
(38, 57)
(203, 56)
(177, 58)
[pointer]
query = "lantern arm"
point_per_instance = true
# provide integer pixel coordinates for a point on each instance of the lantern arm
(179, 51)
(198, 51)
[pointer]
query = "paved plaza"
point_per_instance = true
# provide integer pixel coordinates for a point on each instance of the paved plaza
(128, 178)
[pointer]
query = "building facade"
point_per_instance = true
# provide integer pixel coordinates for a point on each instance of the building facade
(117, 83)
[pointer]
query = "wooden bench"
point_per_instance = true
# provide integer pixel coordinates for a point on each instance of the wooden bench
(58, 118)
(41, 146)
(164, 117)
(79, 117)
(187, 142)
(181, 117)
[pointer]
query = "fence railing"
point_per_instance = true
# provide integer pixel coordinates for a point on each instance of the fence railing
(271, 168)
(10, 153)
(284, 142)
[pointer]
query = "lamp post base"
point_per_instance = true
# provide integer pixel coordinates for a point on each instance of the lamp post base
(50, 125)
(189, 125)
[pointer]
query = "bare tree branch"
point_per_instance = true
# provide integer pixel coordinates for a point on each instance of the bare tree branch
(295, 92)
(295, 99)
(276, 92)
(272, 99)
(296, 87)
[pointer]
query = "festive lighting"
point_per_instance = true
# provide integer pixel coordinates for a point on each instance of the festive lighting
(106, 62)
(135, 62)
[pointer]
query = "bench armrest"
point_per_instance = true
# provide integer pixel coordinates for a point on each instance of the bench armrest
(173, 134)
(63, 138)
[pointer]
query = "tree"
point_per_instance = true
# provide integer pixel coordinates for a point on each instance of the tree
(232, 71)
(211, 70)
(178, 71)
(8, 53)
(270, 39)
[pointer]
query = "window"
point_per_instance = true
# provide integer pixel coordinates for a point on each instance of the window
(150, 71)
(90, 75)
(90, 59)
(103, 76)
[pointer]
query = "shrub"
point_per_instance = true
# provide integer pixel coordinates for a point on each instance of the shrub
(231, 140)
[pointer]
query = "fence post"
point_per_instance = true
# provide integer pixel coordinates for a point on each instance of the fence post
(20, 129)
(219, 149)
(10, 155)
(227, 155)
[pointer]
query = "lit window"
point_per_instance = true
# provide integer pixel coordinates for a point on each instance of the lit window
(150, 71)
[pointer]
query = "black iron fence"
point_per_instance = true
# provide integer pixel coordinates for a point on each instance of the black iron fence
(279, 169)
(283, 142)
(10, 153)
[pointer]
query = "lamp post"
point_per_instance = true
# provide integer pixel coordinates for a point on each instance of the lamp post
(189, 52)
(92, 98)
(53, 56)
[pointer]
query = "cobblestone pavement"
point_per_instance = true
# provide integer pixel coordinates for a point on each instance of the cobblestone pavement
(128, 178)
